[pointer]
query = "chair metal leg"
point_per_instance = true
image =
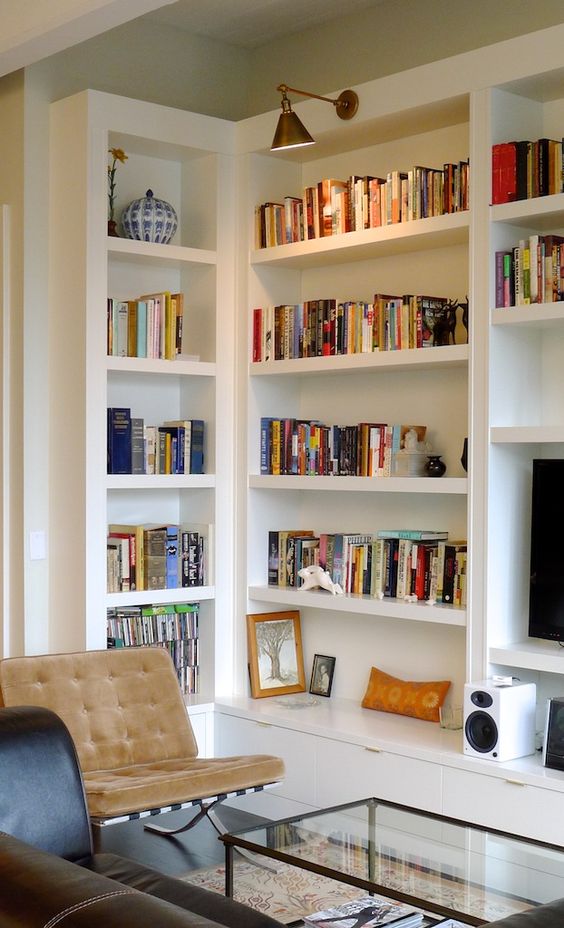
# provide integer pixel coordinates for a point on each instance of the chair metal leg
(255, 859)
(207, 810)
(161, 830)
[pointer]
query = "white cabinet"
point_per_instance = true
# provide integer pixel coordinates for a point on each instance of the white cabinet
(298, 751)
(352, 771)
(506, 803)
(186, 160)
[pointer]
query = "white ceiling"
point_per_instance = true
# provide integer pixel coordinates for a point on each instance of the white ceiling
(251, 23)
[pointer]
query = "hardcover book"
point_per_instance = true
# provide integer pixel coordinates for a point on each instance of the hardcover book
(119, 440)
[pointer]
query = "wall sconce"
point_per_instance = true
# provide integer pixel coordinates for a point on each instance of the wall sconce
(291, 132)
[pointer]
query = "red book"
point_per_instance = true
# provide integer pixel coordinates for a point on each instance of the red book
(257, 335)
(504, 172)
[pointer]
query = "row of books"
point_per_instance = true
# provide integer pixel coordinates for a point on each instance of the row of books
(157, 557)
(333, 207)
(532, 271)
(321, 328)
(525, 169)
(308, 448)
(175, 447)
(147, 327)
(154, 624)
(174, 627)
(424, 565)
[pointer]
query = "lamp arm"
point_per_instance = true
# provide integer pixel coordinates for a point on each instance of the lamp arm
(283, 88)
(346, 103)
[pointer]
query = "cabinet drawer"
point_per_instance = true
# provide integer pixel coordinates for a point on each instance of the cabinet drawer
(351, 771)
(506, 804)
(245, 736)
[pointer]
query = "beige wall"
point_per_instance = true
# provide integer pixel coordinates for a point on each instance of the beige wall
(11, 194)
(392, 36)
(163, 65)
(154, 63)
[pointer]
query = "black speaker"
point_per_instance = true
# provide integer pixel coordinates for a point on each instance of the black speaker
(553, 743)
(499, 721)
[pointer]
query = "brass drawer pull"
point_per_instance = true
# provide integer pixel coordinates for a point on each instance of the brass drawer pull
(515, 782)
(373, 750)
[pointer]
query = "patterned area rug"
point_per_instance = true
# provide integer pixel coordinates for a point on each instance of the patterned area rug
(291, 893)
(287, 895)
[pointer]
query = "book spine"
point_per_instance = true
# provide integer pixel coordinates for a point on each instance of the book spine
(119, 440)
(197, 446)
(137, 446)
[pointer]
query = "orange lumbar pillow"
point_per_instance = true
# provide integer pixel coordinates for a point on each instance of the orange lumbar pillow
(419, 700)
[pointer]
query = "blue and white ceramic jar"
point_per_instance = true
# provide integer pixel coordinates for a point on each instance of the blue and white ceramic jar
(149, 219)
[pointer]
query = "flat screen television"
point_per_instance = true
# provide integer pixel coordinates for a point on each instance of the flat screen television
(546, 588)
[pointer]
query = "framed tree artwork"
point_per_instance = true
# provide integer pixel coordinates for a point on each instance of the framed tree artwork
(275, 655)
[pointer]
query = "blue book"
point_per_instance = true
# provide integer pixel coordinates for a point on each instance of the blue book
(119, 440)
(197, 447)
(265, 445)
(172, 561)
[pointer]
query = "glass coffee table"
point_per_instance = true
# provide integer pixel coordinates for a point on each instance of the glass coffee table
(439, 865)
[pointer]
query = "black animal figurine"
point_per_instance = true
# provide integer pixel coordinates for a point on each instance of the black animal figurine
(445, 325)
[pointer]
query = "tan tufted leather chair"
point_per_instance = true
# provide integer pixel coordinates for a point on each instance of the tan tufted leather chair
(133, 736)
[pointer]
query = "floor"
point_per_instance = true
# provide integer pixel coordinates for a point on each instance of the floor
(177, 855)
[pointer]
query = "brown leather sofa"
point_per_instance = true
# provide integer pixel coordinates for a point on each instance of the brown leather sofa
(49, 874)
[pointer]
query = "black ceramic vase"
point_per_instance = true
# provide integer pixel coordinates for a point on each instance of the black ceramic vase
(434, 466)
(464, 458)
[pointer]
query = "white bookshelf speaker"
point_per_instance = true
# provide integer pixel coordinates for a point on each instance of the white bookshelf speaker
(499, 720)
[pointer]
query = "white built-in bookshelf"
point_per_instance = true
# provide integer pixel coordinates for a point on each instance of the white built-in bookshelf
(419, 386)
(503, 390)
(185, 160)
(526, 417)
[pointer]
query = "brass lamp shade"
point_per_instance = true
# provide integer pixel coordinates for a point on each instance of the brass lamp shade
(290, 132)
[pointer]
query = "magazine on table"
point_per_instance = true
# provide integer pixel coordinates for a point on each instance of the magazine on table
(365, 913)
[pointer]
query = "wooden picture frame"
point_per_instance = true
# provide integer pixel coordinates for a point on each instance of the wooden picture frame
(322, 671)
(276, 664)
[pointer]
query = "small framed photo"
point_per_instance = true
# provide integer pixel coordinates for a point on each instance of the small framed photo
(322, 672)
(276, 664)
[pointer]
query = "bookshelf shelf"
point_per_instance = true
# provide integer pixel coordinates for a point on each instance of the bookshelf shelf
(360, 605)
(159, 255)
(530, 654)
(159, 481)
(527, 434)
(537, 316)
(386, 241)
(425, 485)
(178, 368)
(545, 213)
(404, 360)
(162, 597)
